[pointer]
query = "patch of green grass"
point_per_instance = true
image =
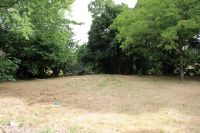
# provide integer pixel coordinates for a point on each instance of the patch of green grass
(174, 120)
(4, 121)
(110, 80)
(102, 84)
(47, 130)
(73, 129)
(161, 131)
(48, 107)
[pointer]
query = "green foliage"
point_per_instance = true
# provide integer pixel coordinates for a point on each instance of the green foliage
(160, 27)
(103, 52)
(97, 7)
(8, 68)
(77, 65)
(156, 37)
(36, 32)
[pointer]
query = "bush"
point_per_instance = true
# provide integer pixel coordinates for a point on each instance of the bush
(8, 68)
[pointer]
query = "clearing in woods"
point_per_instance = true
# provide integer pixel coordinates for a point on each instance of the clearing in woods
(101, 104)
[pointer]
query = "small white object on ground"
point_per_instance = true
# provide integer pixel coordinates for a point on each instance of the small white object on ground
(14, 124)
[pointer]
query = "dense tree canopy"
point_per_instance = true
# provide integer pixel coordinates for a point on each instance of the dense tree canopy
(37, 33)
(160, 29)
(104, 51)
(155, 37)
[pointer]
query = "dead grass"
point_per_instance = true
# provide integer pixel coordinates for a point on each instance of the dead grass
(101, 104)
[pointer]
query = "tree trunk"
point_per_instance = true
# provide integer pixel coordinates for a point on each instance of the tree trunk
(181, 68)
(119, 67)
(74, 72)
(182, 72)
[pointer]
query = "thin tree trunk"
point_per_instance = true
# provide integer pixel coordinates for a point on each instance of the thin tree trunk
(182, 73)
(181, 68)
(182, 53)
(74, 72)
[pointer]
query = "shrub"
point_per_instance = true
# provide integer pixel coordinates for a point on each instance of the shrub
(8, 67)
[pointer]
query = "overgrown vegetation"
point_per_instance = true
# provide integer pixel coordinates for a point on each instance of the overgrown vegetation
(8, 68)
(38, 34)
(155, 37)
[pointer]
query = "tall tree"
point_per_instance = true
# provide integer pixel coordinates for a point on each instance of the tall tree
(155, 28)
(105, 52)
(177, 35)
(36, 32)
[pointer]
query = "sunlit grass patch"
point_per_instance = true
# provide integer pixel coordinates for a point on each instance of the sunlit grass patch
(101, 103)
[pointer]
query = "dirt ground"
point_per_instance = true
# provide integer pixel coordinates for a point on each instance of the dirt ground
(101, 104)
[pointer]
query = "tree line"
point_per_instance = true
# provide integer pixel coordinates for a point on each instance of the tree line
(155, 37)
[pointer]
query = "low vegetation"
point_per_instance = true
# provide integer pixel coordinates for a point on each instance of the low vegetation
(101, 103)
